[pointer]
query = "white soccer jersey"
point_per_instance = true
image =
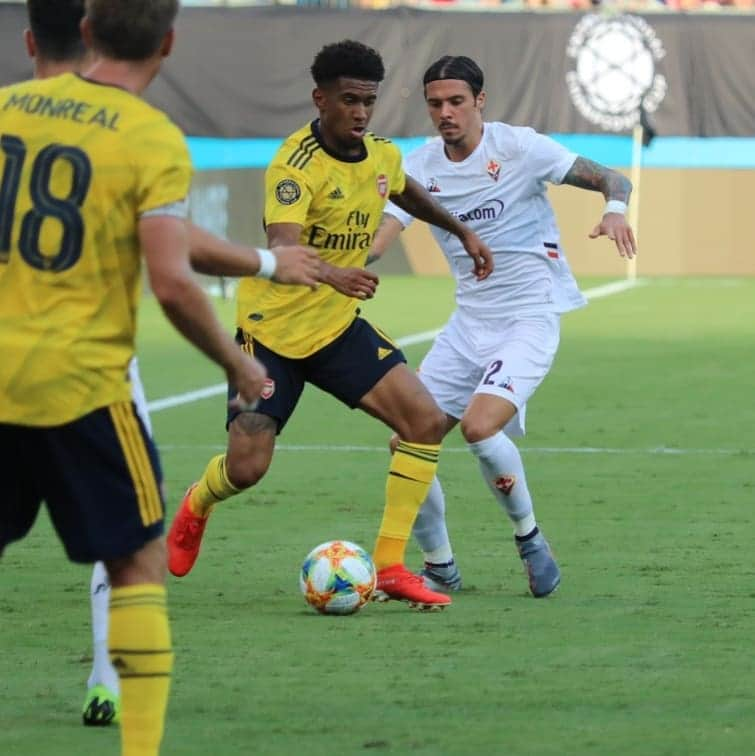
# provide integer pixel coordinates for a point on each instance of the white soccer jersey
(499, 191)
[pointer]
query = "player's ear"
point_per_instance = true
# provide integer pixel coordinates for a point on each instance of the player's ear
(86, 32)
(31, 45)
(481, 100)
(318, 97)
(167, 44)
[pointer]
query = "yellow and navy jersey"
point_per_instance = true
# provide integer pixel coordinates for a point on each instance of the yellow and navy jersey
(80, 162)
(338, 203)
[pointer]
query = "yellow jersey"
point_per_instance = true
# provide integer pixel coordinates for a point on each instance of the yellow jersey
(79, 163)
(339, 204)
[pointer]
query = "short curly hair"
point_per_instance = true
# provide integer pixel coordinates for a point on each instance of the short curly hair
(347, 58)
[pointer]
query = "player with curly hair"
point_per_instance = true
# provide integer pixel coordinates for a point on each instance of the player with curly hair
(326, 187)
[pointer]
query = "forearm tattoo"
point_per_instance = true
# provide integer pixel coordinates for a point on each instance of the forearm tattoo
(589, 175)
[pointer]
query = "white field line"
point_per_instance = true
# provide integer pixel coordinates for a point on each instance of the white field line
(177, 400)
(341, 449)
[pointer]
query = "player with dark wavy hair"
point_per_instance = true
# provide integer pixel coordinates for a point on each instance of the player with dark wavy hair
(327, 187)
(500, 342)
(456, 67)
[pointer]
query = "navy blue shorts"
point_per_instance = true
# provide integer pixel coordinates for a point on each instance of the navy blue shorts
(347, 368)
(98, 475)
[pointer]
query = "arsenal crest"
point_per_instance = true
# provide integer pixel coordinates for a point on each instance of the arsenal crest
(494, 169)
(382, 185)
(268, 389)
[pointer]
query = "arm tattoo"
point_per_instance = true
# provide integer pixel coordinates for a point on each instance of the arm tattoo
(589, 175)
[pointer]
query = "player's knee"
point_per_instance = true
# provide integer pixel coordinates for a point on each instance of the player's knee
(146, 565)
(477, 428)
(428, 427)
(247, 471)
(437, 426)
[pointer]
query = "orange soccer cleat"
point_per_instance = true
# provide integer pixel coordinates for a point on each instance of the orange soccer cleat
(399, 584)
(185, 538)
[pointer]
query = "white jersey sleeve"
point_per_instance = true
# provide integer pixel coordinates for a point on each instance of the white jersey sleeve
(545, 158)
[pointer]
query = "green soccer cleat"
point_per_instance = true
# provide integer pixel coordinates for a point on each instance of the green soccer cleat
(101, 707)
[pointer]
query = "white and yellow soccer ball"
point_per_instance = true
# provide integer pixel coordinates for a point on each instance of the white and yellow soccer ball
(337, 577)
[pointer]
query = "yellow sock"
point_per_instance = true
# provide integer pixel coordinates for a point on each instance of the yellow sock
(409, 477)
(213, 487)
(141, 652)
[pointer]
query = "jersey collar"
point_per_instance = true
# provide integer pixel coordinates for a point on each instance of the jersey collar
(315, 126)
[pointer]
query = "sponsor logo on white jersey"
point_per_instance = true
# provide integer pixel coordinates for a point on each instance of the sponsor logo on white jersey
(486, 212)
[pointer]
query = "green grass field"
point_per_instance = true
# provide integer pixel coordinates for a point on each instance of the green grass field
(641, 458)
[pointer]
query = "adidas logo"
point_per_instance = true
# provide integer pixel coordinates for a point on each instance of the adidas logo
(336, 193)
(383, 353)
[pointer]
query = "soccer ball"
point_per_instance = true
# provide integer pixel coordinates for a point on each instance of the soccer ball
(337, 577)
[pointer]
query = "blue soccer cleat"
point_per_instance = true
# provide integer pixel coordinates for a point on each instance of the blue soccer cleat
(541, 568)
(442, 577)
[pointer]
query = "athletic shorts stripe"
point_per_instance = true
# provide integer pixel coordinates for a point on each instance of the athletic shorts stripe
(137, 459)
(141, 455)
(385, 336)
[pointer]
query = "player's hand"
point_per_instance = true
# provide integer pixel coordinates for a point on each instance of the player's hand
(480, 254)
(616, 228)
(248, 375)
(296, 265)
(353, 282)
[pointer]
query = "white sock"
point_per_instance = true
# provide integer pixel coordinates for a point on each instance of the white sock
(503, 471)
(103, 672)
(430, 527)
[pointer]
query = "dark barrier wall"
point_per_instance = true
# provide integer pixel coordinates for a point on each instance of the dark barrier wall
(245, 71)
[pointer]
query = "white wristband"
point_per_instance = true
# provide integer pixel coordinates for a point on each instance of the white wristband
(268, 263)
(615, 206)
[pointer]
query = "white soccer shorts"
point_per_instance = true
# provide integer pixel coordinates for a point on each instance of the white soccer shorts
(507, 358)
